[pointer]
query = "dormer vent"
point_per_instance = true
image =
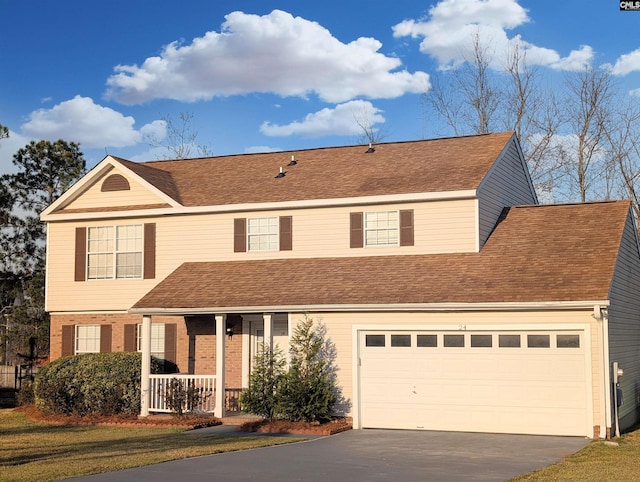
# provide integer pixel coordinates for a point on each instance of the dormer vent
(293, 161)
(280, 174)
(371, 149)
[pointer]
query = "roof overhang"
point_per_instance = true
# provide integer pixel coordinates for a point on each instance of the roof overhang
(401, 307)
(271, 206)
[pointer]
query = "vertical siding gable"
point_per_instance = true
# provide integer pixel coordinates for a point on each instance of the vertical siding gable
(507, 184)
(624, 321)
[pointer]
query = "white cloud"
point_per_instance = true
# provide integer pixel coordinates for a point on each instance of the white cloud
(343, 120)
(275, 53)
(258, 149)
(635, 92)
(448, 31)
(83, 121)
(627, 63)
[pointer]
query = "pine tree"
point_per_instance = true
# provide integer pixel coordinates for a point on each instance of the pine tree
(261, 398)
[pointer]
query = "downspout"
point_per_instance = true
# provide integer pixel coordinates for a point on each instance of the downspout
(605, 368)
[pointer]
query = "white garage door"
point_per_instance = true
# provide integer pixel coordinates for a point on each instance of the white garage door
(500, 382)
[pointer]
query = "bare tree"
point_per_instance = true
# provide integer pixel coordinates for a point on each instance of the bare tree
(180, 139)
(467, 97)
(535, 117)
(4, 132)
(365, 119)
(588, 103)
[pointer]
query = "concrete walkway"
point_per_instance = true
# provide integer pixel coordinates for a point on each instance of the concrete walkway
(371, 455)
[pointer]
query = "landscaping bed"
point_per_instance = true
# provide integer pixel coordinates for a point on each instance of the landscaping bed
(186, 421)
(300, 428)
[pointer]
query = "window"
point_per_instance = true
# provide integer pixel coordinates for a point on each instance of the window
(262, 234)
(374, 340)
(87, 339)
(481, 341)
(454, 341)
(509, 341)
(400, 340)
(114, 252)
(568, 341)
(381, 228)
(157, 339)
(538, 341)
(427, 341)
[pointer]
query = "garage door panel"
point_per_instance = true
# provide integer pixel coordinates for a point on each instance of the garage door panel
(521, 390)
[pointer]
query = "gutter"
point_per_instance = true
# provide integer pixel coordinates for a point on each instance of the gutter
(358, 308)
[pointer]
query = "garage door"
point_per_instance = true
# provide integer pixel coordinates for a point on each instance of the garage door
(501, 382)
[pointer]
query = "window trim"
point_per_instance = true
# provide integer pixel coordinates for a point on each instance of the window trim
(273, 244)
(76, 338)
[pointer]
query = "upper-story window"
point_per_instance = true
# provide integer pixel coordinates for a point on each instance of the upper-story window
(273, 233)
(114, 252)
(381, 228)
(262, 234)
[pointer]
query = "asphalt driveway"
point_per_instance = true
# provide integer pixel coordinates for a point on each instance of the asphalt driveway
(370, 455)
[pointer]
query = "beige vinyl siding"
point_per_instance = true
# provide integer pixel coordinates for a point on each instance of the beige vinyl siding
(93, 197)
(624, 320)
(440, 227)
(506, 184)
(340, 331)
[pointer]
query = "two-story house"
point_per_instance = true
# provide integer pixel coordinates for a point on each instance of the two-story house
(454, 301)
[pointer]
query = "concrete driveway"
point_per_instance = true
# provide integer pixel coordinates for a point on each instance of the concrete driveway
(370, 455)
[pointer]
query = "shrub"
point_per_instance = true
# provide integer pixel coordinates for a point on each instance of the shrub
(309, 391)
(261, 398)
(92, 383)
(183, 396)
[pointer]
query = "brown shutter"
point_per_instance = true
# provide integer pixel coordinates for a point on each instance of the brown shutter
(357, 230)
(105, 338)
(149, 250)
(131, 337)
(286, 233)
(406, 227)
(81, 255)
(239, 235)
(68, 340)
(170, 341)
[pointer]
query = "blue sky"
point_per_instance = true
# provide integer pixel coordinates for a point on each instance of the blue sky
(258, 75)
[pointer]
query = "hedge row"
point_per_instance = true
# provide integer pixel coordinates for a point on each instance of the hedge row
(92, 383)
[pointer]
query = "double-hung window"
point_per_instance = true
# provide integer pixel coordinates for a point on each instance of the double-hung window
(381, 228)
(87, 339)
(114, 252)
(157, 339)
(262, 234)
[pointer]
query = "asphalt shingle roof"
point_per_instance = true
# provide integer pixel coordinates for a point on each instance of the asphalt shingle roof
(535, 254)
(436, 165)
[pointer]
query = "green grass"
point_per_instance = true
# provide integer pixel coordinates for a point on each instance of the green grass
(32, 451)
(596, 462)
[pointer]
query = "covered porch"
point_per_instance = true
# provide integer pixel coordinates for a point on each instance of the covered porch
(214, 393)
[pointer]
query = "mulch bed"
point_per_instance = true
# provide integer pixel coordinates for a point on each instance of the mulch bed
(190, 422)
(185, 421)
(300, 428)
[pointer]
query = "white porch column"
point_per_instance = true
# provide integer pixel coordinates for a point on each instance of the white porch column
(221, 332)
(145, 369)
(268, 329)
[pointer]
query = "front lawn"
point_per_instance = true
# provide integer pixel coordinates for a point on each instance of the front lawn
(598, 461)
(39, 452)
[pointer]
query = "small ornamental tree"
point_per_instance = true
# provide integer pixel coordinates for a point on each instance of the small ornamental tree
(267, 374)
(309, 391)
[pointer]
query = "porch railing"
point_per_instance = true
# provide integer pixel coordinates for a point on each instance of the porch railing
(203, 386)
